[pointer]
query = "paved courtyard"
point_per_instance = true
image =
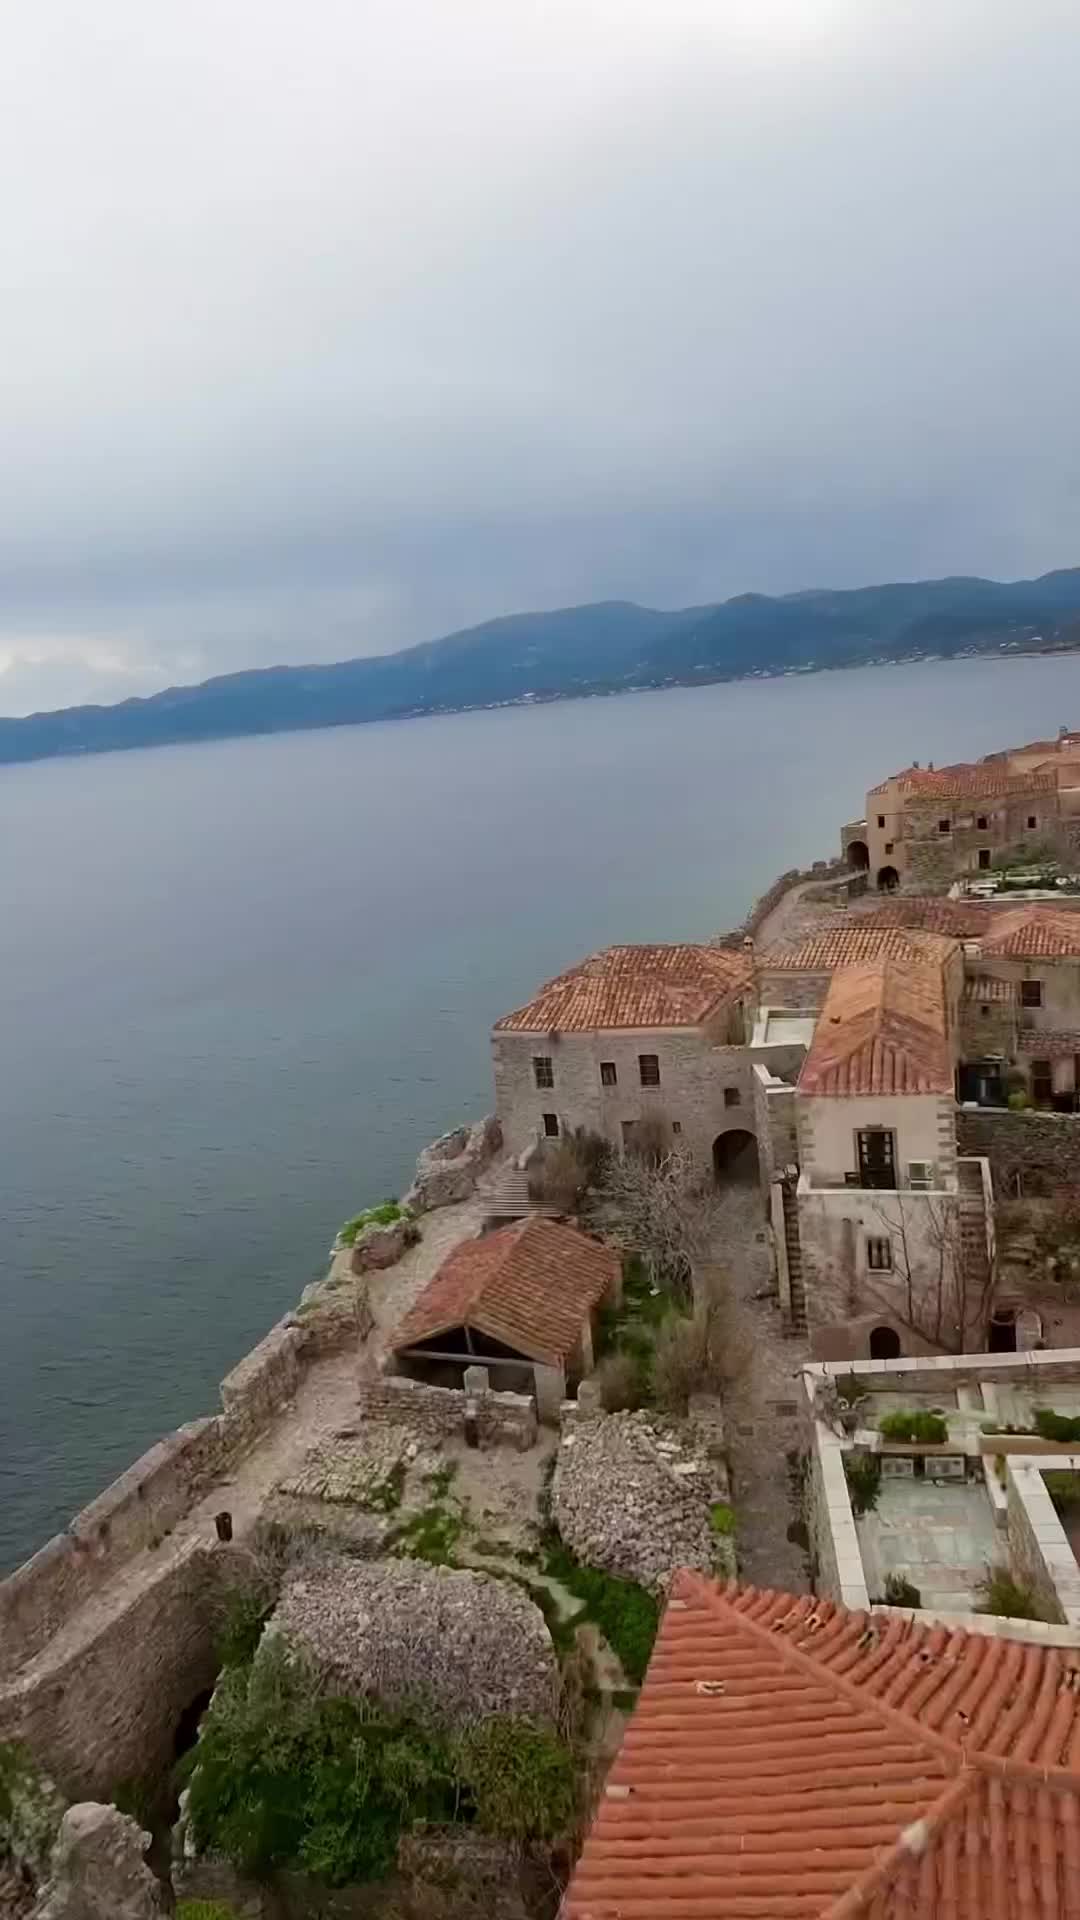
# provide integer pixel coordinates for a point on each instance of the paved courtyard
(941, 1538)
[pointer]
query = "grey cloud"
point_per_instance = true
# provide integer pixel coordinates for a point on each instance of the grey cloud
(330, 328)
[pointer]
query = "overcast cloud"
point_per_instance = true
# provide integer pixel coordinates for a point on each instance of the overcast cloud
(330, 327)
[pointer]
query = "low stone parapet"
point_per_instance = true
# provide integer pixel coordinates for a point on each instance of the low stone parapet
(439, 1412)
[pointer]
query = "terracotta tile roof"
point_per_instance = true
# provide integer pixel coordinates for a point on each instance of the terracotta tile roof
(962, 919)
(655, 986)
(530, 1286)
(854, 944)
(1034, 932)
(966, 781)
(984, 987)
(789, 1760)
(881, 1030)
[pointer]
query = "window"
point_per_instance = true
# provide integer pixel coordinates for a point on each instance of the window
(982, 822)
(881, 819)
(732, 1097)
(608, 1075)
(984, 856)
(1031, 993)
(543, 1071)
(1042, 1083)
(943, 826)
(879, 1254)
(1032, 821)
(551, 1126)
(888, 846)
(649, 1069)
(676, 1126)
(984, 1010)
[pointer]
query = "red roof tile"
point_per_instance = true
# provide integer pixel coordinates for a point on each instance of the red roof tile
(854, 944)
(966, 781)
(530, 1286)
(961, 919)
(1034, 932)
(881, 1030)
(654, 986)
(789, 1760)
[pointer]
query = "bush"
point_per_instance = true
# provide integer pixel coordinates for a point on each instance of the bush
(1019, 1101)
(1056, 1426)
(383, 1215)
(900, 1592)
(863, 1472)
(683, 1361)
(927, 1429)
(1001, 1594)
(567, 1170)
(625, 1613)
(204, 1910)
(621, 1382)
(285, 1775)
(721, 1517)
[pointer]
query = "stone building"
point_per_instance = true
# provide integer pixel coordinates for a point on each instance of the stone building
(632, 1034)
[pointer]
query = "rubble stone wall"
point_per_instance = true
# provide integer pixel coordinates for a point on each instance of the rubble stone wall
(439, 1412)
(1021, 1143)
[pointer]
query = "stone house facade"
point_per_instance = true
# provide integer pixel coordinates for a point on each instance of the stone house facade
(633, 1034)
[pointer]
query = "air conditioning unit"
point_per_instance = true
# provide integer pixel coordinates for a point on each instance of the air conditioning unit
(920, 1175)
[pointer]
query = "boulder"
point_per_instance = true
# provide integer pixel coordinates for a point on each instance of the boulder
(448, 1170)
(98, 1870)
(377, 1247)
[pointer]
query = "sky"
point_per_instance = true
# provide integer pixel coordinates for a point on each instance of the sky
(332, 327)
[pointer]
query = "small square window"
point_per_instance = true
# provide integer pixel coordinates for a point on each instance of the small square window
(881, 819)
(982, 822)
(608, 1075)
(879, 1255)
(732, 1097)
(944, 826)
(1031, 993)
(1032, 821)
(649, 1069)
(543, 1070)
(551, 1126)
(676, 1126)
(888, 846)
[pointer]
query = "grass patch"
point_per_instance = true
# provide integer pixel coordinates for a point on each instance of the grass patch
(204, 1910)
(441, 1479)
(431, 1535)
(721, 1517)
(1000, 1593)
(628, 1332)
(625, 1613)
(384, 1215)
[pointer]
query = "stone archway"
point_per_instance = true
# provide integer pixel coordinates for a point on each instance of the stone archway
(888, 880)
(735, 1158)
(858, 856)
(884, 1343)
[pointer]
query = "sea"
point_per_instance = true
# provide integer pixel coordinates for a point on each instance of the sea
(242, 983)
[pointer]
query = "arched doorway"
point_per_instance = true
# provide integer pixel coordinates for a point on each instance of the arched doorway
(888, 880)
(858, 856)
(884, 1343)
(735, 1158)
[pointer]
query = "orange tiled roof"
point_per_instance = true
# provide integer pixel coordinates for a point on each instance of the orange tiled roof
(530, 1286)
(789, 1760)
(962, 919)
(881, 1030)
(856, 943)
(1034, 932)
(655, 986)
(967, 781)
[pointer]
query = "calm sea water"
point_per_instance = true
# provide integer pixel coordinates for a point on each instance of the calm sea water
(243, 983)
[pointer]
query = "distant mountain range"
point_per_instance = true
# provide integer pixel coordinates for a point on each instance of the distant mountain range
(610, 647)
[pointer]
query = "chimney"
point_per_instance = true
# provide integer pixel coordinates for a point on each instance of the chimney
(930, 766)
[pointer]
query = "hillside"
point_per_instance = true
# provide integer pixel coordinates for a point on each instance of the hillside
(609, 647)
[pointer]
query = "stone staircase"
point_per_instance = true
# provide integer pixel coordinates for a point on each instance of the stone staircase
(974, 1252)
(505, 1195)
(794, 1260)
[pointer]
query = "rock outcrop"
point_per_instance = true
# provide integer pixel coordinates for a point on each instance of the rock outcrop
(98, 1869)
(376, 1247)
(460, 1645)
(448, 1170)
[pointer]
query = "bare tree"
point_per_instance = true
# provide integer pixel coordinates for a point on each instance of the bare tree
(936, 1290)
(664, 1210)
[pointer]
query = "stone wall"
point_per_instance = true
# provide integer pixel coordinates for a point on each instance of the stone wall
(830, 1522)
(1034, 1371)
(265, 1380)
(1019, 1144)
(439, 1412)
(1039, 1553)
(108, 1712)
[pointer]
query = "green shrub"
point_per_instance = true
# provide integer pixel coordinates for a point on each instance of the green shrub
(900, 1592)
(284, 1775)
(621, 1381)
(926, 1429)
(383, 1215)
(245, 1611)
(1001, 1594)
(721, 1517)
(1019, 1101)
(625, 1613)
(430, 1535)
(204, 1910)
(521, 1778)
(1056, 1426)
(863, 1472)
